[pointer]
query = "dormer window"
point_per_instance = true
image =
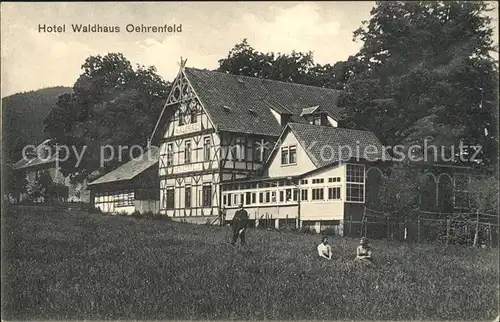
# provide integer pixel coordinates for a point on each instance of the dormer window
(314, 115)
(315, 119)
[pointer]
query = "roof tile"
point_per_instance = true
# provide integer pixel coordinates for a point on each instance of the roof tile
(216, 90)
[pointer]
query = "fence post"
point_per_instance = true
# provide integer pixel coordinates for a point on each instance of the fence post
(476, 235)
(350, 225)
(366, 226)
(448, 226)
(489, 234)
(363, 223)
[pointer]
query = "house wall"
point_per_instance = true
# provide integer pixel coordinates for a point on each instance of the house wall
(310, 210)
(77, 191)
(144, 206)
(128, 196)
(303, 164)
(231, 156)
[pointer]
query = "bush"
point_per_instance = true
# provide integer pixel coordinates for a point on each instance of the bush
(306, 230)
(95, 210)
(136, 214)
(329, 232)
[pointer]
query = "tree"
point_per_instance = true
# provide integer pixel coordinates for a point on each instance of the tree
(296, 67)
(399, 191)
(426, 62)
(16, 183)
(484, 193)
(112, 105)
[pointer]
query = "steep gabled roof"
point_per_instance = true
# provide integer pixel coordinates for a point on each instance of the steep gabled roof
(249, 100)
(37, 157)
(130, 169)
(323, 144)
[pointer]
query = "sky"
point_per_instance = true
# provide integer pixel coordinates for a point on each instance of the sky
(31, 59)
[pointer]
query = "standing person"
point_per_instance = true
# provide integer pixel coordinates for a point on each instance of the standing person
(223, 216)
(364, 253)
(325, 250)
(240, 222)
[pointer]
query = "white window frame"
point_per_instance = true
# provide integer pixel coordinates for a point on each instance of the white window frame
(207, 154)
(339, 193)
(351, 183)
(186, 144)
(287, 150)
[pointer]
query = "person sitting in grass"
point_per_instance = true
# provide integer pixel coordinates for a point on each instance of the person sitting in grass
(364, 253)
(325, 250)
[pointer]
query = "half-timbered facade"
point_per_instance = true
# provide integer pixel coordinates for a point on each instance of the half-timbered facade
(131, 187)
(218, 127)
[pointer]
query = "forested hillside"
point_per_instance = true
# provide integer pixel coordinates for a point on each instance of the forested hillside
(22, 118)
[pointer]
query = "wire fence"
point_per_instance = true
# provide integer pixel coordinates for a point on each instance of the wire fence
(475, 229)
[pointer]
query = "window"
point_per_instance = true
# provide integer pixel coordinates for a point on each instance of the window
(315, 119)
(303, 194)
(355, 182)
(355, 173)
(288, 194)
(182, 111)
(229, 199)
(268, 196)
(187, 197)
(334, 193)
(293, 155)
(282, 196)
(207, 196)
(170, 154)
(187, 152)
(254, 197)
(261, 197)
(284, 155)
(224, 200)
(240, 150)
(295, 194)
(303, 181)
(124, 198)
(273, 196)
(317, 181)
(317, 194)
(248, 198)
(169, 198)
(335, 179)
(194, 115)
(289, 155)
(206, 149)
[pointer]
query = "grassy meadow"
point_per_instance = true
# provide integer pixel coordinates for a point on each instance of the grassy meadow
(74, 265)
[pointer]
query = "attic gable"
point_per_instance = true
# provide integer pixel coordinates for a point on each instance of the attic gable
(182, 95)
